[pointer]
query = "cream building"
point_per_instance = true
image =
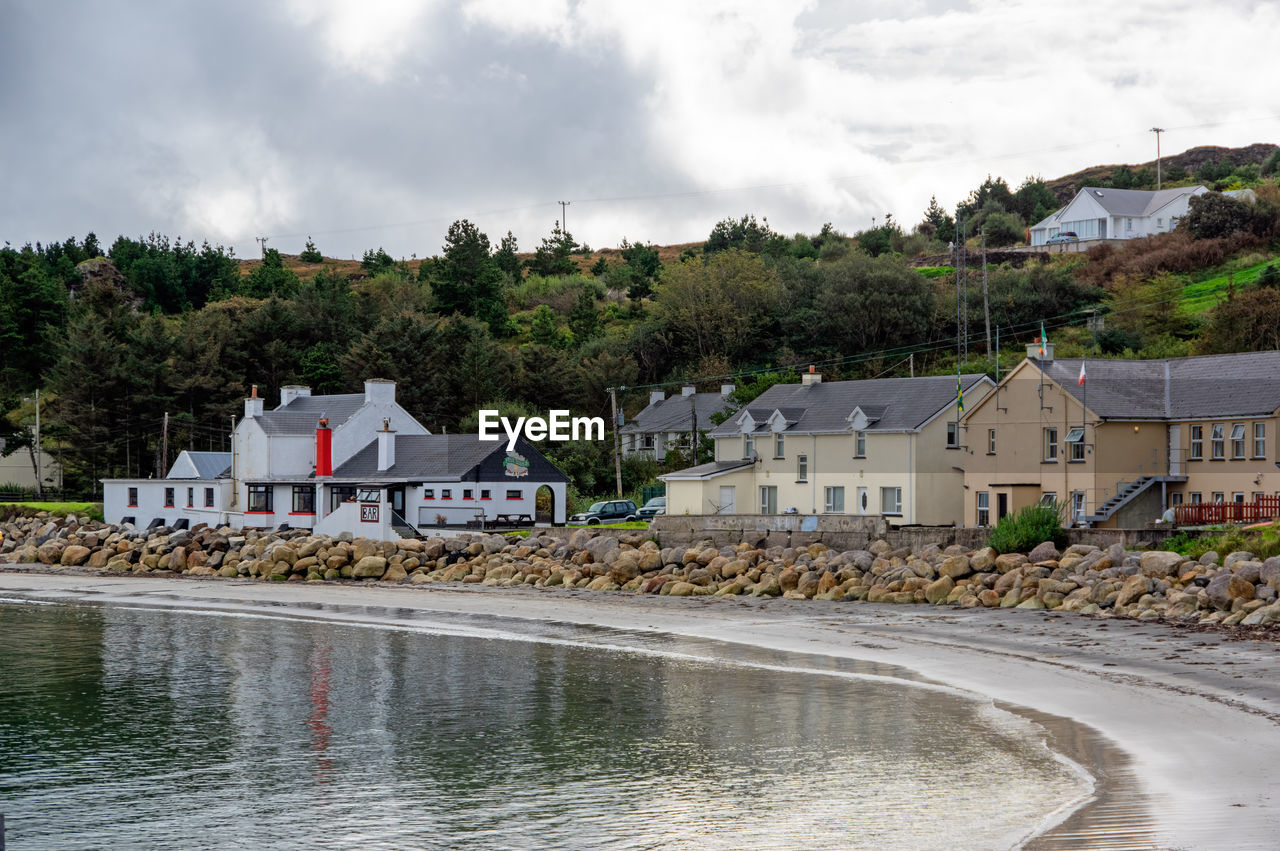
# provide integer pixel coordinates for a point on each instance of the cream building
(889, 446)
(1133, 440)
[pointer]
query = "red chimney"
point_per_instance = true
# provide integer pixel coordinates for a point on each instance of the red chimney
(324, 448)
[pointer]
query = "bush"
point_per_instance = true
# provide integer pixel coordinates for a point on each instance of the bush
(1029, 527)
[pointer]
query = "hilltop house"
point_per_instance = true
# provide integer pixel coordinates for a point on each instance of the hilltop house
(331, 463)
(667, 423)
(888, 446)
(1134, 439)
(1097, 213)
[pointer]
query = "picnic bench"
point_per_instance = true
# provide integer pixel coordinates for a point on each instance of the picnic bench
(513, 520)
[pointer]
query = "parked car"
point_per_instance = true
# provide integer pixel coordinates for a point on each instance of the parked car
(652, 508)
(614, 511)
(1065, 236)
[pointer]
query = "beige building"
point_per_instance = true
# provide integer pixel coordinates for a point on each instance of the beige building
(887, 446)
(1133, 440)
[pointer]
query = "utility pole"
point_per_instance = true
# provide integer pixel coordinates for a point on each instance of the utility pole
(564, 223)
(1157, 131)
(912, 360)
(955, 262)
(693, 435)
(164, 447)
(617, 449)
(39, 470)
(262, 243)
(986, 306)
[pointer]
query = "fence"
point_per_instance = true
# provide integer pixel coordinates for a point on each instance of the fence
(1262, 508)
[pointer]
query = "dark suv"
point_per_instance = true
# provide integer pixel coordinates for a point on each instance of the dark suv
(614, 511)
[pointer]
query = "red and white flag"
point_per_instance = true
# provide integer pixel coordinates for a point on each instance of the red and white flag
(1081, 381)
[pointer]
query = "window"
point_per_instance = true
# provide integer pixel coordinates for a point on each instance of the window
(1195, 498)
(984, 508)
(802, 468)
(748, 446)
(191, 497)
(446, 493)
(1176, 499)
(768, 499)
(646, 442)
(860, 444)
(304, 499)
(261, 499)
(1197, 443)
(168, 497)
(133, 497)
(1075, 444)
(1217, 496)
(953, 435)
(1048, 498)
(991, 441)
(468, 493)
(340, 494)
(1216, 442)
(1259, 440)
(1237, 497)
(779, 449)
(1159, 223)
(484, 494)
(891, 501)
(1257, 495)
(833, 500)
(1237, 440)
(1051, 444)
(428, 493)
(208, 497)
(515, 494)
(1077, 505)
(1128, 224)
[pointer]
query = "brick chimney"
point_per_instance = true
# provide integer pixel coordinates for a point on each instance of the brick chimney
(253, 405)
(324, 448)
(386, 447)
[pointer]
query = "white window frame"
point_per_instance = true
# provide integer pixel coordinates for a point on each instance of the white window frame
(1077, 505)
(1218, 441)
(767, 491)
(1197, 444)
(984, 508)
(802, 468)
(891, 501)
(748, 445)
(646, 441)
(859, 444)
(1048, 497)
(991, 441)
(1075, 451)
(1237, 441)
(953, 434)
(779, 445)
(1259, 440)
(1049, 439)
(1195, 498)
(833, 499)
(1218, 497)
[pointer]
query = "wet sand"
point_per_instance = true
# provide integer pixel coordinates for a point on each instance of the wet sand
(1180, 728)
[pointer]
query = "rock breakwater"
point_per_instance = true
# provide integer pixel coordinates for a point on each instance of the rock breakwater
(1235, 589)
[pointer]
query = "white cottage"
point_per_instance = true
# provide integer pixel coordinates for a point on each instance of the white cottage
(329, 463)
(1097, 213)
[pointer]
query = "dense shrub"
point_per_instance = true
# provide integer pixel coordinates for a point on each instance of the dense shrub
(1147, 257)
(1029, 527)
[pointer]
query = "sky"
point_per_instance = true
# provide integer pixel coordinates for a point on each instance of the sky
(376, 123)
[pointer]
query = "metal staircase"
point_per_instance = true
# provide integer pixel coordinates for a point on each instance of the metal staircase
(1125, 493)
(401, 526)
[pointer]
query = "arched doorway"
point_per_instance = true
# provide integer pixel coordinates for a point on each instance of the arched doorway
(544, 505)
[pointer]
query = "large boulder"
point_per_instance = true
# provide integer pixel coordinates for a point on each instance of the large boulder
(936, 592)
(1133, 589)
(369, 567)
(955, 567)
(75, 555)
(1160, 563)
(1044, 552)
(600, 547)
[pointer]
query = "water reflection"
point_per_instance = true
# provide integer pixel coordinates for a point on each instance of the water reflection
(172, 729)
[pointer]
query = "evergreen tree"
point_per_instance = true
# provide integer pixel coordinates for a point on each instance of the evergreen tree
(467, 279)
(271, 278)
(584, 321)
(543, 330)
(553, 256)
(311, 254)
(505, 257)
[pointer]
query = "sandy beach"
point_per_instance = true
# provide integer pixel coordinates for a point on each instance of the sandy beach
(1179, 727)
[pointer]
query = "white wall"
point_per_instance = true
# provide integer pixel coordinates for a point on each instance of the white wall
(150, 505)
(457, 510)
(356, 433)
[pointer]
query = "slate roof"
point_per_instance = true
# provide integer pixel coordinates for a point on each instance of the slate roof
(675, 413)
(433, 457)
(211, 465)
(1237, 385)
(903, 403)
(1124, 202)
(299, 416)
(707, 471)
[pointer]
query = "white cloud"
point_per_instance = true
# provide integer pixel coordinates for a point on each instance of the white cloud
(367, 37)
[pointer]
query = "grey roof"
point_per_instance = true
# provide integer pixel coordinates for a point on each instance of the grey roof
(300, 415)
(438, 457)
(675, 413)
(1125, 202)
(211, 465)
(1246, 384)
(903, 403)
(707, 471)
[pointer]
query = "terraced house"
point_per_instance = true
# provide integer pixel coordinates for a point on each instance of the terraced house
(888, 446)
(1129, 441)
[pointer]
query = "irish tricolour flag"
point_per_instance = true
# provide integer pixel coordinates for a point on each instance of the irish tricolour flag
(1081, 380)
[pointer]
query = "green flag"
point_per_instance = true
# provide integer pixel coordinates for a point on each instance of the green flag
(1044, 339)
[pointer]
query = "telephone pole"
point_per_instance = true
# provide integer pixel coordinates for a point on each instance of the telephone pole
(693, 435)
(164, 447)
(986, 306)
(1157, 131)
(262, 244)
(39, 471)
(617, 449)
(564, 222)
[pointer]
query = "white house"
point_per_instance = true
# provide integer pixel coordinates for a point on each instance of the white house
(667, 423)
(330, 463)
(1117, 214)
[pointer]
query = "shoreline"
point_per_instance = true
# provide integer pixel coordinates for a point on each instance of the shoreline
(1177, 728)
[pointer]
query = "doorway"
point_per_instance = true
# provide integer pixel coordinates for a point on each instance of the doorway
(544, 505)
(1002, 505)
(396, 496)
(864, 502)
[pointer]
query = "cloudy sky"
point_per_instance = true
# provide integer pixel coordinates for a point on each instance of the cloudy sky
(372, 123)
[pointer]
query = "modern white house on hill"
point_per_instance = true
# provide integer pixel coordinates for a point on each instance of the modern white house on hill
(1097, 213)
(356, 463)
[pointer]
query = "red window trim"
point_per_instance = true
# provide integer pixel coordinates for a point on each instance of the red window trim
(486, 497)
(131, 505)
(259, 512)
(428, 497)
(302, 514)
(514, 498)
(468, 497)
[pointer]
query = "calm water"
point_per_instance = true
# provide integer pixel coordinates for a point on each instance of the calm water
(166, 729)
